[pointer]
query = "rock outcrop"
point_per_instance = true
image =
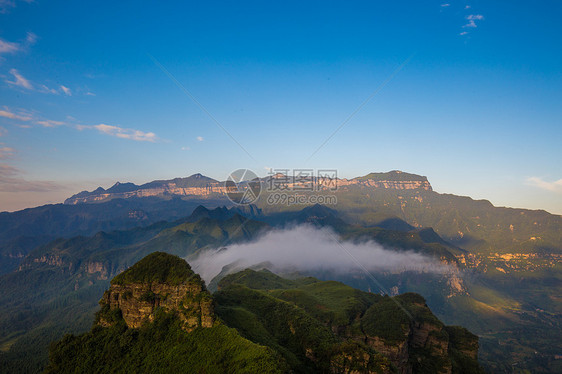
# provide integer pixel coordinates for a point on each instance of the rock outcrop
(395, 180)
(160, 281)
(424, 341)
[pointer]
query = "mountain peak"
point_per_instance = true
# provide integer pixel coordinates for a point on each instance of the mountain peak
(156, 267)
(395, 179)
(119, 187)
(160, 281)
(394, 175)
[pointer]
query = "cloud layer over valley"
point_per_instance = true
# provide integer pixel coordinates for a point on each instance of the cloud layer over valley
(309, 249)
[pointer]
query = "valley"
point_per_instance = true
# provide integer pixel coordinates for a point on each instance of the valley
(501, 287)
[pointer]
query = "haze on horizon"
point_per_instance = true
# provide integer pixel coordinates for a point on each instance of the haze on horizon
(466, 93)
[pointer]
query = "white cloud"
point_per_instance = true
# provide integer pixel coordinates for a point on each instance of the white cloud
(200, 139)
(9, 47)
(472, 18)
(555, 186)
(6, 113)
(464, 33)
(90, 94)
(123, 133)
(445, 5)
(27, 117)
(20, 80)
(467, 7)
(185, 148)
(49, 123)
(45, 89)
(116, 131)
(31, 38)
(66, 90)
(306, 248)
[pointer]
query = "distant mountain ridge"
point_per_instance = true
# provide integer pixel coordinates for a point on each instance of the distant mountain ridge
(196, 184)
(202, 186)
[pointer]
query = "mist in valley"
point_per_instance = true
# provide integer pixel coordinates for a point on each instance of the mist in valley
(307, 249)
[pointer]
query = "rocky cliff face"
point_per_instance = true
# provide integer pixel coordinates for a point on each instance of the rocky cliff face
(388, 184)
(420, 336)
(203, 187)
(422, 341)
(138, 303)
(398, 332)
(164, 189)
(158, 282)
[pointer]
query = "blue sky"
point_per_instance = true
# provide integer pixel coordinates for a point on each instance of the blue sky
(473, 101)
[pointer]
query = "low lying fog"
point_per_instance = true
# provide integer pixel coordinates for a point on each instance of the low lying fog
(306, 248)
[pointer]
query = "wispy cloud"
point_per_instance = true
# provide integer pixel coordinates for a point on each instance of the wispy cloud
(200, 139)
(6, 5)
(463, 33)
(49, 123)
(445, 5)
(124, 133)
(555, 186)
(7, 113)
(472, 18)
(6, 152)
(116, 131)
(31, 38)
(185, 148)
(9, 47)
(19, 80)
(3, 131)
(45, 89)
(66, 90)
(11, 181)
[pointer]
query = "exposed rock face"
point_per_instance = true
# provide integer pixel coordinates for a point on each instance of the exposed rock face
(397, 353)
(159, 281)
(98, 268)
(196, 185)
(164, 189)
(138, 303)
(203, 187)
(389, 184)
(425, 341)
(425, 336)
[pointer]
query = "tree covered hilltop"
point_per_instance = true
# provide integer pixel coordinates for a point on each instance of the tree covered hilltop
(158, 316)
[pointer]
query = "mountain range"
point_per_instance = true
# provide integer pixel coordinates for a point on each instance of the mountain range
(57, 260)
(158, 316)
